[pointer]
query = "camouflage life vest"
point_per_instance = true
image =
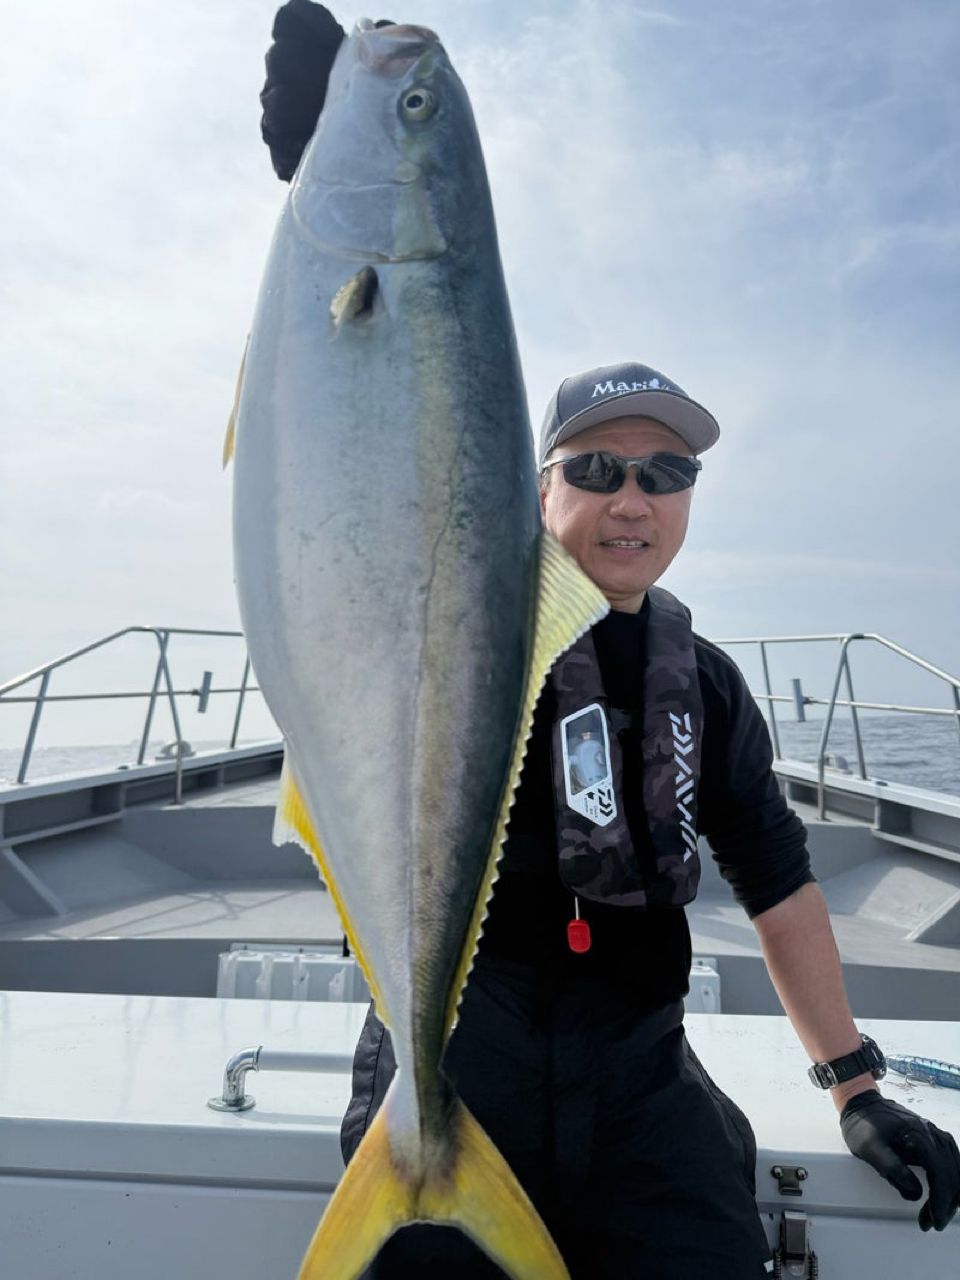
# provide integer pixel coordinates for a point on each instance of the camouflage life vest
(597, 857)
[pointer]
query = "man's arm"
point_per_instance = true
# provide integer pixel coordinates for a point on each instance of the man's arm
(804, 965)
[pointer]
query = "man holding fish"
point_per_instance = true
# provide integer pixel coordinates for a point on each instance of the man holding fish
(415, 582)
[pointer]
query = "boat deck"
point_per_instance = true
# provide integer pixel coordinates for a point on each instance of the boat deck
(291, 903)
(155, 891)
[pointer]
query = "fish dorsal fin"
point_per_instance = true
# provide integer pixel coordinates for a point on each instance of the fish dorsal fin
(567, 604)
(292, 823)
(230, 441)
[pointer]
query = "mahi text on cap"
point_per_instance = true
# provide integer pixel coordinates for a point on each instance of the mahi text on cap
(612, 388)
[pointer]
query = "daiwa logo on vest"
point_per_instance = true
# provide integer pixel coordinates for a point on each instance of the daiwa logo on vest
(682, 746)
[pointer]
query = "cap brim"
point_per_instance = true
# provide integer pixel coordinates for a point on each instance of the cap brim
(693, 424)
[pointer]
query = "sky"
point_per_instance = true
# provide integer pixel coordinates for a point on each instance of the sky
(760, 199)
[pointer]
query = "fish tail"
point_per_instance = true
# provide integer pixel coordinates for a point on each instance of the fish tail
(477, 1192)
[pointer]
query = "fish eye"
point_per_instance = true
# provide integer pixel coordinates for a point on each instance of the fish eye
(418, 104)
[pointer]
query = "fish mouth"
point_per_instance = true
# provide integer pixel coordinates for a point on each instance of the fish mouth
(394, 51)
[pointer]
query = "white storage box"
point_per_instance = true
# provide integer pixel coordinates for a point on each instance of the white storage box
(112, 1165)
(277, 973)
(857, 1224)
(704, 993)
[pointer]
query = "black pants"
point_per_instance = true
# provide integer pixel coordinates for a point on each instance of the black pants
(641, 1168)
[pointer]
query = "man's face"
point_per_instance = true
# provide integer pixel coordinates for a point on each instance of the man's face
(594, 527)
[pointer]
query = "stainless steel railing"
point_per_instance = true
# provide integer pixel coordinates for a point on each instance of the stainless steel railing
(799, 699)
(161, 676)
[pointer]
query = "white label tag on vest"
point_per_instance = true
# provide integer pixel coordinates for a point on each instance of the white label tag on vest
(587, 775)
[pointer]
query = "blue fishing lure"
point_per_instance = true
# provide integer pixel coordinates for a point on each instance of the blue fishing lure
(926, 1070)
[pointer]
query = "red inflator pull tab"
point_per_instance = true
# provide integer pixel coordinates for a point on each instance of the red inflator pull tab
(578, 931)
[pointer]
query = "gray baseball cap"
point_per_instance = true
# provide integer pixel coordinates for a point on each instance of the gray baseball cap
(624, 390)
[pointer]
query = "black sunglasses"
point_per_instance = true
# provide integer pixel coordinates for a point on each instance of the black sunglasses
(602, 472)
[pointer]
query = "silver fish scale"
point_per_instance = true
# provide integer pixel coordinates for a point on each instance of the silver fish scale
(385, 533)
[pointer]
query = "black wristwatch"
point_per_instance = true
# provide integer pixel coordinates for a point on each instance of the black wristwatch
(867, 1058)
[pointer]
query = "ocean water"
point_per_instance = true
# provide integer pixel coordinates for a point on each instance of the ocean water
(55, 762)
(922, 751)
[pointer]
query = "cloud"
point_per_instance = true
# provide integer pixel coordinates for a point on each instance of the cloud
(147, 503)
(758, 199)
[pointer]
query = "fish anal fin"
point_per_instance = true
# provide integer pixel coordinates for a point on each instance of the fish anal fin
(230, 440)
(568, 603)
(292, 823)
(478, 1193)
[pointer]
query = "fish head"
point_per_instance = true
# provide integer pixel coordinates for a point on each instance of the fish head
(394, 167)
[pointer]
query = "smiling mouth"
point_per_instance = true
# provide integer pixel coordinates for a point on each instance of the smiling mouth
(627, 544)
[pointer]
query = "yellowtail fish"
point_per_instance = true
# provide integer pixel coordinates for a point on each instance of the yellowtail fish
(401, 605)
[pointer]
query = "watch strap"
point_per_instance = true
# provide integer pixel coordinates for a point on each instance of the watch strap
(838, 1070)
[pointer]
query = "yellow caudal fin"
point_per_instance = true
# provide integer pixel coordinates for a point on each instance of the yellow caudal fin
(230, 441)
(567, 604)
(292, 824)
(484, 1199)
(479, 1194)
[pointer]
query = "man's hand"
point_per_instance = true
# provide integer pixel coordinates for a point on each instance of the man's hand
(890, 1138)
(306, 37)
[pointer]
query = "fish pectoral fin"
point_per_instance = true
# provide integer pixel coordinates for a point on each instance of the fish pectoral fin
(356, 298)
(292, 824)
(567, 604)
(230, 441)
(478, 1193)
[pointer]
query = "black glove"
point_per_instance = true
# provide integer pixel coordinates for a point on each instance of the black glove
(890, 1137)
(306, 37)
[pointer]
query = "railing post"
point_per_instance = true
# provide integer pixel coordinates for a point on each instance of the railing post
(825, 735)
(798, 701)
(178, 782)
(203, 693)
(855, 717)
(956, 703)
(34, 724)
(771, 712)
(242, 694)
(151, 705)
